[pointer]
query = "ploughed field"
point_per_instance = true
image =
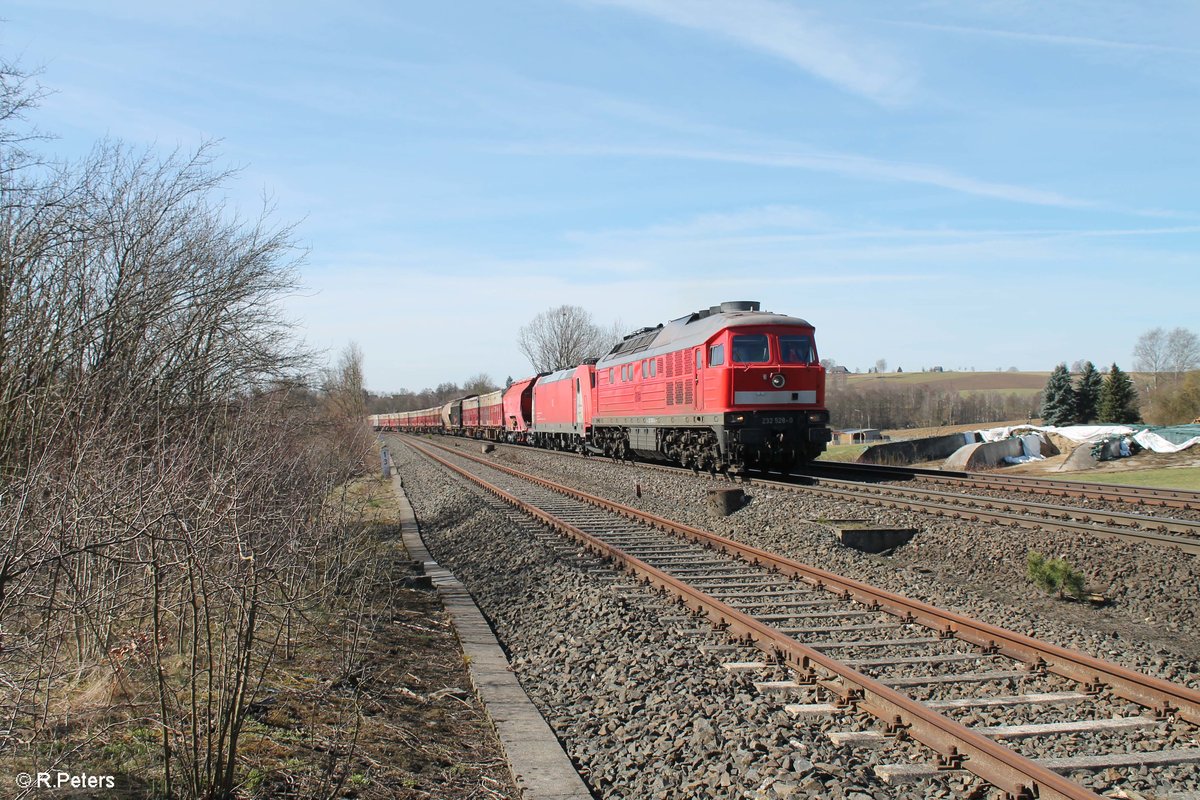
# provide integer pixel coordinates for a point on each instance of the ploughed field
(624, 692)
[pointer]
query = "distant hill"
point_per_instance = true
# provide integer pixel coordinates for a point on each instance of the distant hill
(1020, 383)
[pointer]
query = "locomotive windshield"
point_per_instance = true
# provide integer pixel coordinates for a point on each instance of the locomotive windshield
(796, 349)
(750, 349)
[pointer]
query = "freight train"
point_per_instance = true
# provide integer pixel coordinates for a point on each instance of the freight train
(724, 389)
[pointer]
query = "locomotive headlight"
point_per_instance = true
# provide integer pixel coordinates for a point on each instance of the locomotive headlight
(777, 380)
(737, 419)
(818, 417)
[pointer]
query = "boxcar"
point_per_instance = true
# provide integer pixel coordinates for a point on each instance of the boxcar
(491, 415)
(452, 417)
(518, 409)
(470, 414)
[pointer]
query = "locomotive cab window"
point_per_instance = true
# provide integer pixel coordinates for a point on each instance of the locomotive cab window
(796, 349)
(716, 355)
(750, 349)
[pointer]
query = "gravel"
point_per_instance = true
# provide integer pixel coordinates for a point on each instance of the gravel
(645, 714)
(1151, 623)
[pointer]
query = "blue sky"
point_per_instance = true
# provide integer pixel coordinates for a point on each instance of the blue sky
(985, 184)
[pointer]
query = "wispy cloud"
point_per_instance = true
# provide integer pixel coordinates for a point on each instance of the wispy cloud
(792, 225)
(718, 224)
(786, 32)
(839, 163)
(1050, 38)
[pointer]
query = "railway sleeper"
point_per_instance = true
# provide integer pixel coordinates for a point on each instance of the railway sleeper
(897, 774)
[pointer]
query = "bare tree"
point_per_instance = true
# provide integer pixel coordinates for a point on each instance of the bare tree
(480, 383)
(1150, 353)
(881, 365)
(344, 384)
(563, 337)
(1182, 351)
(19, 94)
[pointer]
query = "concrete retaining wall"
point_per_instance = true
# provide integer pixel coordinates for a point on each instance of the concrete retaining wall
(1082, 457)
(914, 451)
(983, 454)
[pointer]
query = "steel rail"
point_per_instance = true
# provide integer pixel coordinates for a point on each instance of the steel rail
(1162, 696)
(958, 746)
(1133, 522)
(1184, 543)
(1134, 495)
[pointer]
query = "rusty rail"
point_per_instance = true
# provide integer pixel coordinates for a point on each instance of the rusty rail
(1027, 515)
(1016, 775)
(1134, 495)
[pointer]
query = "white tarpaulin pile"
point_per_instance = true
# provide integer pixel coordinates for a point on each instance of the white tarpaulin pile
(1031, 449)
(1152, 441)
(1148, 439)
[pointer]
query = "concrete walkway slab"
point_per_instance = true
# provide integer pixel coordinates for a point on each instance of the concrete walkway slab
(540, 767)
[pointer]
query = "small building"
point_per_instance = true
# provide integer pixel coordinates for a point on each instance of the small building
(858, 436)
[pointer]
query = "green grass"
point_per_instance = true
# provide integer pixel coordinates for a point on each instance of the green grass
(1168, 478)
(842, 452)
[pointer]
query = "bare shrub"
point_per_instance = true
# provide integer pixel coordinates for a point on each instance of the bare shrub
(163, 471)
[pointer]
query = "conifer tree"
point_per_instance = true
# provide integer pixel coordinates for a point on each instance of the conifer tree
(1087, 394)
(1058, 398)
(1118, 399)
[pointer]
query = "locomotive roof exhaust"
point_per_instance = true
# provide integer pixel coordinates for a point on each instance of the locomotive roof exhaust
(728, 307)
(735, 305)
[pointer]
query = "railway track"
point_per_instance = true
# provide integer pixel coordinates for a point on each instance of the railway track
(1133, 495)
(1183, 534)
(921, 671)
(1180, 534)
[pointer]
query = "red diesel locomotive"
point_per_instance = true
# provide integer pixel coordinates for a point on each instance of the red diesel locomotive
(723, 389)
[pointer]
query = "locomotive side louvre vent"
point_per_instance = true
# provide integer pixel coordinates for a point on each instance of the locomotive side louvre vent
(687, 393)
(660, 365)
(670, 390)
(679, 393)
(687, 366)
(670, 366)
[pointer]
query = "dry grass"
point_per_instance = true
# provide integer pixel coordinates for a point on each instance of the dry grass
(402, 711)
(373, 701)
